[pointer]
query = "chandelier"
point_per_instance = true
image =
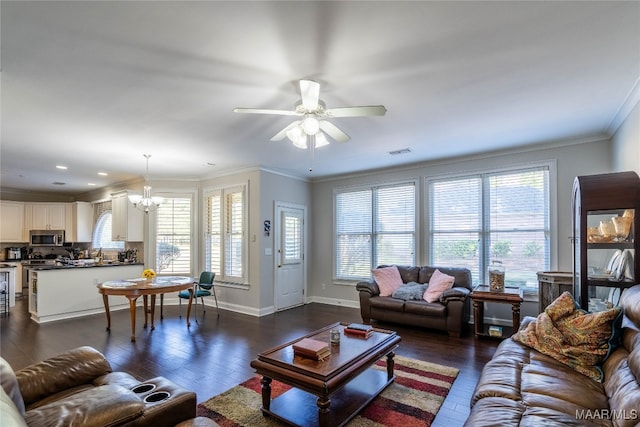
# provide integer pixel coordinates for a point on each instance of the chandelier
(145, 202)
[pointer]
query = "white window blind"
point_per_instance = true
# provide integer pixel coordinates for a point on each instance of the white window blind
(173, 236)
(102, 233)
(374, 226)
(226, 234)
(502, 216)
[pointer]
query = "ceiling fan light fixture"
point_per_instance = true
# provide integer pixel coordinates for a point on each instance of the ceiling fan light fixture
(301, 141)
(321, 140)
(311, 125)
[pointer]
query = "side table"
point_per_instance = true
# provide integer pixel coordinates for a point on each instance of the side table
(482, 294)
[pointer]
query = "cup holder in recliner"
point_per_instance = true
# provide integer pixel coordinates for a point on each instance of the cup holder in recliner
(157, 397)
(143, 388)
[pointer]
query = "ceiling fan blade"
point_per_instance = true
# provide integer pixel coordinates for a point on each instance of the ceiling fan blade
(333, 131)
(366, 110)
(265, 111)
(283, 133)
(310, 92)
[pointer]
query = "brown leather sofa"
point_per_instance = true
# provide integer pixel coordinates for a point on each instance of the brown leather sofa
(522, 387)
(78, 387)
(448, 314)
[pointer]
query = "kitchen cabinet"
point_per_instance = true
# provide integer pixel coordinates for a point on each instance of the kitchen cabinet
(605, 260)
(127, 222)
(45, 216)
(12, 222)
(79, 220)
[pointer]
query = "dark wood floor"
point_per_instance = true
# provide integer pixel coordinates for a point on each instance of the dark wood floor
(213, 355)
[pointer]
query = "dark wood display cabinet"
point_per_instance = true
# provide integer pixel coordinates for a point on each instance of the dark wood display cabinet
(606, 219)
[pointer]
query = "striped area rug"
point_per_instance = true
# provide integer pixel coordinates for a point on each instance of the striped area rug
(413, 399)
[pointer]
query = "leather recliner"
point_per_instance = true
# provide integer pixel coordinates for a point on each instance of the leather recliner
(78, 387)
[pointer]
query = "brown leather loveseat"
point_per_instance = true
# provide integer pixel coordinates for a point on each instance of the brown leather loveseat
(79, 388)
(520, 386)
(449, 313)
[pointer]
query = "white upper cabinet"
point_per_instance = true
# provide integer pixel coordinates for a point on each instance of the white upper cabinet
(45, 216)
(127, 222)
(79, 222)
(12, 228)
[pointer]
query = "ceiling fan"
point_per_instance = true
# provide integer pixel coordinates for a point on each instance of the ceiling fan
(313, 116)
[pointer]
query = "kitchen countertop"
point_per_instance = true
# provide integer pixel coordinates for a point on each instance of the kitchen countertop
(7, 266)
(68, 267)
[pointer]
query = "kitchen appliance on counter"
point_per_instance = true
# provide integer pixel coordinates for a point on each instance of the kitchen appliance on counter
(46, 237)
(13, 254)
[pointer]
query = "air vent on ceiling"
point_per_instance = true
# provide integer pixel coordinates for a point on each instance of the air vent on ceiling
(58, 183)
(401, 151)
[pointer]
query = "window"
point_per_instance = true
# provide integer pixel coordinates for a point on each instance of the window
(374, 226)
(226, 243)
(102, 233)
(502, 216)
(173, 236)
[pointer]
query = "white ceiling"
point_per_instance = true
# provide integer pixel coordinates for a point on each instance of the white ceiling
(95, 85)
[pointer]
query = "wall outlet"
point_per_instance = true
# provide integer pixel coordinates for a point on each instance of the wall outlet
(324, 286)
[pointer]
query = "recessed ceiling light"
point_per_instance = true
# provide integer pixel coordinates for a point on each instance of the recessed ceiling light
(103, 173)
(91, 184)
(61, 167)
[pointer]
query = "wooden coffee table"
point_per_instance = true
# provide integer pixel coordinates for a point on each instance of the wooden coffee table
(329, 392)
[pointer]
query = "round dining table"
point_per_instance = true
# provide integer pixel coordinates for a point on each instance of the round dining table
(132, 289)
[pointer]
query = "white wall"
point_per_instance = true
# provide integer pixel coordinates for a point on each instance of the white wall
(626, 143)
(572, 160)
(275, 188)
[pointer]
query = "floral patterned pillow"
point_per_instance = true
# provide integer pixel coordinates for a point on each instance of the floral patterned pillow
(572, 336)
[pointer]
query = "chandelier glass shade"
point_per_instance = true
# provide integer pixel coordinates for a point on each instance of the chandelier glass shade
(145, 201)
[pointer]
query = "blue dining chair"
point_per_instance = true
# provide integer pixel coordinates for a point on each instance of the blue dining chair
(204, 287)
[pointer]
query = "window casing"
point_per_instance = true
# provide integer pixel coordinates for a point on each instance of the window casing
(374, 226)
(225, 234)
(173, 235)
(498, 216)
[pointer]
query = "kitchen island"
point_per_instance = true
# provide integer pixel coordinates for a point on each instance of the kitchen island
(63, 292)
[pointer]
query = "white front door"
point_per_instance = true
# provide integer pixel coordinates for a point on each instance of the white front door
(290, 262)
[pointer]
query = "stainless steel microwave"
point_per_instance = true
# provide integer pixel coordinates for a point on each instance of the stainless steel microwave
(46, 237)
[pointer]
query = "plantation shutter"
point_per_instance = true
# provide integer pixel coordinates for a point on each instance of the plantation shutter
(214, 233)
(234, 224)
(173, 236)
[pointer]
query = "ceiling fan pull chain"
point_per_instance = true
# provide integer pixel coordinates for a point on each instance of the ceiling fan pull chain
(312, 148)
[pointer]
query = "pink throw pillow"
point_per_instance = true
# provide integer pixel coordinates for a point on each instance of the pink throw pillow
(438, 283)
(388, 279)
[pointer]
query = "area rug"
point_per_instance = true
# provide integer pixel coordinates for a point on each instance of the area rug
(413, 399)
